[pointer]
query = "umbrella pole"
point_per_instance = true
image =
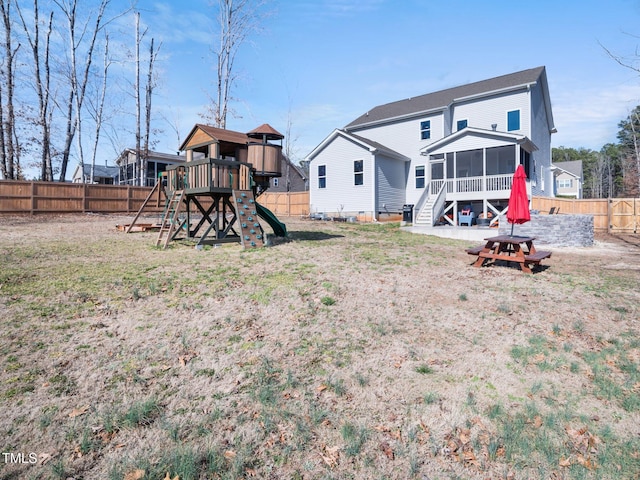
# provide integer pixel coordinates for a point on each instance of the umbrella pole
(512, 229)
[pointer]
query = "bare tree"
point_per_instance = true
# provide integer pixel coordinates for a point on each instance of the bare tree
(99, 108)
(9, 157)
(153, 54)
(631, 172)
(237, 20)
(42, 77)
(142, 144)
(78, 80)
(138, 165)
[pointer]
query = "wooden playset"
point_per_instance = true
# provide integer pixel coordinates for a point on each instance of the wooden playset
(212, 197)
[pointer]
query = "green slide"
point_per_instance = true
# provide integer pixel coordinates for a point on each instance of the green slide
(279, 228)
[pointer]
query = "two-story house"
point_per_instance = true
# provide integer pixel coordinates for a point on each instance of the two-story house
(568, 178)
(439, 152)
(157, 162)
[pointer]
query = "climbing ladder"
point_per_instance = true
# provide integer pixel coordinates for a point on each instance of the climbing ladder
(251, 234)
(170, 221)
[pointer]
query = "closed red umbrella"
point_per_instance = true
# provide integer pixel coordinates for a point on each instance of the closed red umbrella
(518, 211)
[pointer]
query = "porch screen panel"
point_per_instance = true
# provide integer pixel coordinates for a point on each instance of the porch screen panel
(501, 160)
(450, 165)
(437, 171)
(469, 163)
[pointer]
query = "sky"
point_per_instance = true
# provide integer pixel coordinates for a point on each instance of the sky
(322, 63)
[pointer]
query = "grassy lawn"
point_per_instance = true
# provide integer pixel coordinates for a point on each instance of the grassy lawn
(345, 351)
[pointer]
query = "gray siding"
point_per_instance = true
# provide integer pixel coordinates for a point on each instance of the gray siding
(404, 137)
(391, 184)
(542, 184)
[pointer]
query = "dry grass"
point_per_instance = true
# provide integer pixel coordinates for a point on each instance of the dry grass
(347, 351)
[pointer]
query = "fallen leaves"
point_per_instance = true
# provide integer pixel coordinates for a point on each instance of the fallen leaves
(134, 474)
(387, 450)
(187, 357)
(76, 412)
(330, 455)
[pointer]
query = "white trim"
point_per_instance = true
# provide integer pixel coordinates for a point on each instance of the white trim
(354, 173)
(519, 139)
(492, 93)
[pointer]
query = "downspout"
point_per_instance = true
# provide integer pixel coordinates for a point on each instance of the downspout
(374, 185)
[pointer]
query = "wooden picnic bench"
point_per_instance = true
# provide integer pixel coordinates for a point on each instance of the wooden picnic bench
(509, 248)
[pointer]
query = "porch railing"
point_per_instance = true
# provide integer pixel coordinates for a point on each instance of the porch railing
(490, 183)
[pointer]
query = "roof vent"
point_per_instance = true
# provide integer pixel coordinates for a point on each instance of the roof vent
(494, 126)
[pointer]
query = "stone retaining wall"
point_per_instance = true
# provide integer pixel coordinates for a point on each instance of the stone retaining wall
(560, 230)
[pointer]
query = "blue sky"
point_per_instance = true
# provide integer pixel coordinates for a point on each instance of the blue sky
(323, 63)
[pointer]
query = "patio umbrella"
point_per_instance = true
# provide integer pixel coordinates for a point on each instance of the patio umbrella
(518, 211)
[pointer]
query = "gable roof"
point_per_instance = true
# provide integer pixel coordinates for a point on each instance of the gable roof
(103, 171)
(151, 155)
(444, 98)
(215, 135)
(573, 167)
(370, 145)
(522, 140)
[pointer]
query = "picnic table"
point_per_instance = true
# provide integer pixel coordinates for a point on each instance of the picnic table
(509, 248)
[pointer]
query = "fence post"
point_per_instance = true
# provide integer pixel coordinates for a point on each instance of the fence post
(33, 197)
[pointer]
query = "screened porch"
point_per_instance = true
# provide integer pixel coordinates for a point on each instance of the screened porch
(477, 174)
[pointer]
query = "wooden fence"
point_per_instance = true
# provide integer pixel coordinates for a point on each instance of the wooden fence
(288, 204)
(51, 197)
(613, 215)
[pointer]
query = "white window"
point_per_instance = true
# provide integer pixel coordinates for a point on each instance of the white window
(358, 172)
(420, 176)
(322, 176)
(425, 130)
(565, 183)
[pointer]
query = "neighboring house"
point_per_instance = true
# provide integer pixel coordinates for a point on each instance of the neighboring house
(293, 178)
(438, 152)
(568, 179)
(156, 163)
(102, 174)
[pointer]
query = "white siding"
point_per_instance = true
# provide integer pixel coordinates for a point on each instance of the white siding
(340, 193)
(485, 112)
(404, 137)
(391, 184)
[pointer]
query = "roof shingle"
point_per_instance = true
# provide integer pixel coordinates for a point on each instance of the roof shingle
(444, 98)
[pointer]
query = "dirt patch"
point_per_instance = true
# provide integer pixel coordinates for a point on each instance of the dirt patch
(344, 351)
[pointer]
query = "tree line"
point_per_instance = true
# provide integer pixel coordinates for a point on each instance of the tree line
(72, 81)
(614, 171)
(64, 81)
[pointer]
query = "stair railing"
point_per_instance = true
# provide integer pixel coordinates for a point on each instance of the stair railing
(438, 204)
(420, 203)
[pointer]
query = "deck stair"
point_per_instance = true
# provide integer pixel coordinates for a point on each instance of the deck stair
(425, 216)
(171, 222)
(251, 234)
